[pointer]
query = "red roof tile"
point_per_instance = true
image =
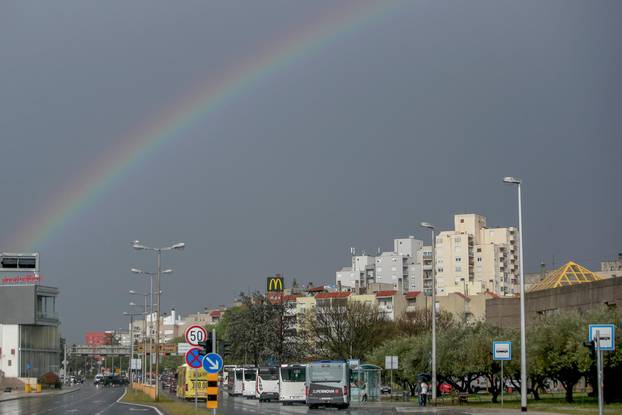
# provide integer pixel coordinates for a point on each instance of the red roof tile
(336, 294)
(412, 294)
(386, 293)
(215, 313)
(291, 297)
(316, 289)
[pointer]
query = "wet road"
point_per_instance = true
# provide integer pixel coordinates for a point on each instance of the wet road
(242, 406)
(89, 400)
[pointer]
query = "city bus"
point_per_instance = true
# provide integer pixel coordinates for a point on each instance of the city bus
(187, 381)
(327, 384)
(267, 385)
(249, 381)
(292, 383)
(234, 381)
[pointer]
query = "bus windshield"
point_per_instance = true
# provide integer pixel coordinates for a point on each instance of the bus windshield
(293, 374)
(326, 373)
(250, 375)
(269, 373)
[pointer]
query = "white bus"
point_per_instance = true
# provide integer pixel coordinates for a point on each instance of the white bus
(292, 383)
(267, 386)
(249, 382)
(328, 384)
(235, 381)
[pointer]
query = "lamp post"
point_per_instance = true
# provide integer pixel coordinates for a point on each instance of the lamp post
(144, 366)
(523, 342)
(431, 227)
(138, 246)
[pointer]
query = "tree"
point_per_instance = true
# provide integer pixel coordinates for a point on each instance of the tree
(352, 329)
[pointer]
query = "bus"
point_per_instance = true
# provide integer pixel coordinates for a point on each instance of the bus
(235, 381)
(292, 384)
(226, 371)
(188, 379)
(267, 385)
(327, 384)
(249, 381)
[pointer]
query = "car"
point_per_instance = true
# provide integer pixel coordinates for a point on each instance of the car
(385, 389)
(445, 388)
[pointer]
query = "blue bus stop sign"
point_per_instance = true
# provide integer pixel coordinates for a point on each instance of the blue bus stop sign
(212, 363)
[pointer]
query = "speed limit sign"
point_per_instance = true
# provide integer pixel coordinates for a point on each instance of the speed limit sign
(195, 335)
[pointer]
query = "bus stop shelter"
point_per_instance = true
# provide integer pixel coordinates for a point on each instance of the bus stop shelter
(365, 382)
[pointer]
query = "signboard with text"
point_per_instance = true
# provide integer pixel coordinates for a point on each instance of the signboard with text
(606, 333)
(502, 350)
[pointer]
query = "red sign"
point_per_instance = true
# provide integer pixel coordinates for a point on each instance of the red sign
(22, 279)
(195, 335)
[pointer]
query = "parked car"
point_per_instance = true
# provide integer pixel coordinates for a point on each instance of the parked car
(385, 389)
(445, 388)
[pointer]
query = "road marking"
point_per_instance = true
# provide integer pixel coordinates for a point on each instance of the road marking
(139, 409)
(136, 404)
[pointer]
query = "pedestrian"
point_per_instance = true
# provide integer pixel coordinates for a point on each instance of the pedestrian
(418, 392)
(364, 391)
(423, 394)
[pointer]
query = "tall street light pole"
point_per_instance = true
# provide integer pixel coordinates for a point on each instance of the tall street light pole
(137, 245)
(431, 227)
(144, 336)
(523, 342)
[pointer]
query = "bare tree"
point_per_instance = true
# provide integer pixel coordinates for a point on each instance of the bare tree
(346, 329)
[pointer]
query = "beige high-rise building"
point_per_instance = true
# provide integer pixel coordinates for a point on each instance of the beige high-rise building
(473, 259)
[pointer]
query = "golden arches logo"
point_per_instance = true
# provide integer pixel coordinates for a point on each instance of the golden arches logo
(275, 284)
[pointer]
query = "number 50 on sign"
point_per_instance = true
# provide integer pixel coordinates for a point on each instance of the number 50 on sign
(195, 335)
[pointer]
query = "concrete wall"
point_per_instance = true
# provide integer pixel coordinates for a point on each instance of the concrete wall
(17, 304)
(505, 312)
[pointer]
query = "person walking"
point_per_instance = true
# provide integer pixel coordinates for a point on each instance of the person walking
(423, 395)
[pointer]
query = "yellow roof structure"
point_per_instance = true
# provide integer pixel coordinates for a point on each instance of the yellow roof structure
(569, 274)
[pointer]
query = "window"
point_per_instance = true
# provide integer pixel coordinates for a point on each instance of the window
(458, 269)
(479, 249)
(458, 259)
(479, 259)
(457, 240)
(439, 270)
(461, 220)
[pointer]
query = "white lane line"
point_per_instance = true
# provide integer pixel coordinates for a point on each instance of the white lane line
(132, 404)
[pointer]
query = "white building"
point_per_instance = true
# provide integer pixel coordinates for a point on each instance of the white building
(402, 268)
(473, 259)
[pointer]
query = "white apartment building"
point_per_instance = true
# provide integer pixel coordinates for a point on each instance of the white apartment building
(473, 259)
(402, 268)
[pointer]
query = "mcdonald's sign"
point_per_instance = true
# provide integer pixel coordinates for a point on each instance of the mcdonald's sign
(275, 284)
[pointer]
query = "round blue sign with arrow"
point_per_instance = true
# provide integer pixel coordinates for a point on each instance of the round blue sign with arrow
(193, 357)
(212, 363)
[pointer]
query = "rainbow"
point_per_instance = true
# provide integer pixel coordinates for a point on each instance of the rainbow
(142, 142)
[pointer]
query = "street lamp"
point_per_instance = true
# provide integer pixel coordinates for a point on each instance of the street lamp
(523, 342)
(139, 246)
(125, 313)
(431, 227)
(144, 337)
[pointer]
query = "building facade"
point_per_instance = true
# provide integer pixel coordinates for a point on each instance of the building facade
(402, 268)
(29, 331)
(472, 259)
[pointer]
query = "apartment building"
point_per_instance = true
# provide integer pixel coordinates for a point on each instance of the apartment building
(402, 268)
(473, 258)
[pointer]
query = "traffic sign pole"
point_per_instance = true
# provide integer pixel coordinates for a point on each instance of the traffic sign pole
(502, 384)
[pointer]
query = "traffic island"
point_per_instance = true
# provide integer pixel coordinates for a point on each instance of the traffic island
(165, 404)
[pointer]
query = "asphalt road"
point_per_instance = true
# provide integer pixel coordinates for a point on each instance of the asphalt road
(242, 406)
(89, 400)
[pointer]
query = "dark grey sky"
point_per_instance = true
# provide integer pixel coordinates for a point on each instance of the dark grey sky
(414, 116)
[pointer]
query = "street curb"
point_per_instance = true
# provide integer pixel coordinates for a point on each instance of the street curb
(39, 395)
(159, 412)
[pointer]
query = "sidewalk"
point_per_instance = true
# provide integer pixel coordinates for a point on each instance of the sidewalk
(412, 408)
(23, 395)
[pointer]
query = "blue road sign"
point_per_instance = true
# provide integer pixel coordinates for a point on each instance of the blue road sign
(607, 335)
(502, 350)
(194, 357)
(212, 363)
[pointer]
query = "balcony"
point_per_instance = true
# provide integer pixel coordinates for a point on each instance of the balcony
(48, 316)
